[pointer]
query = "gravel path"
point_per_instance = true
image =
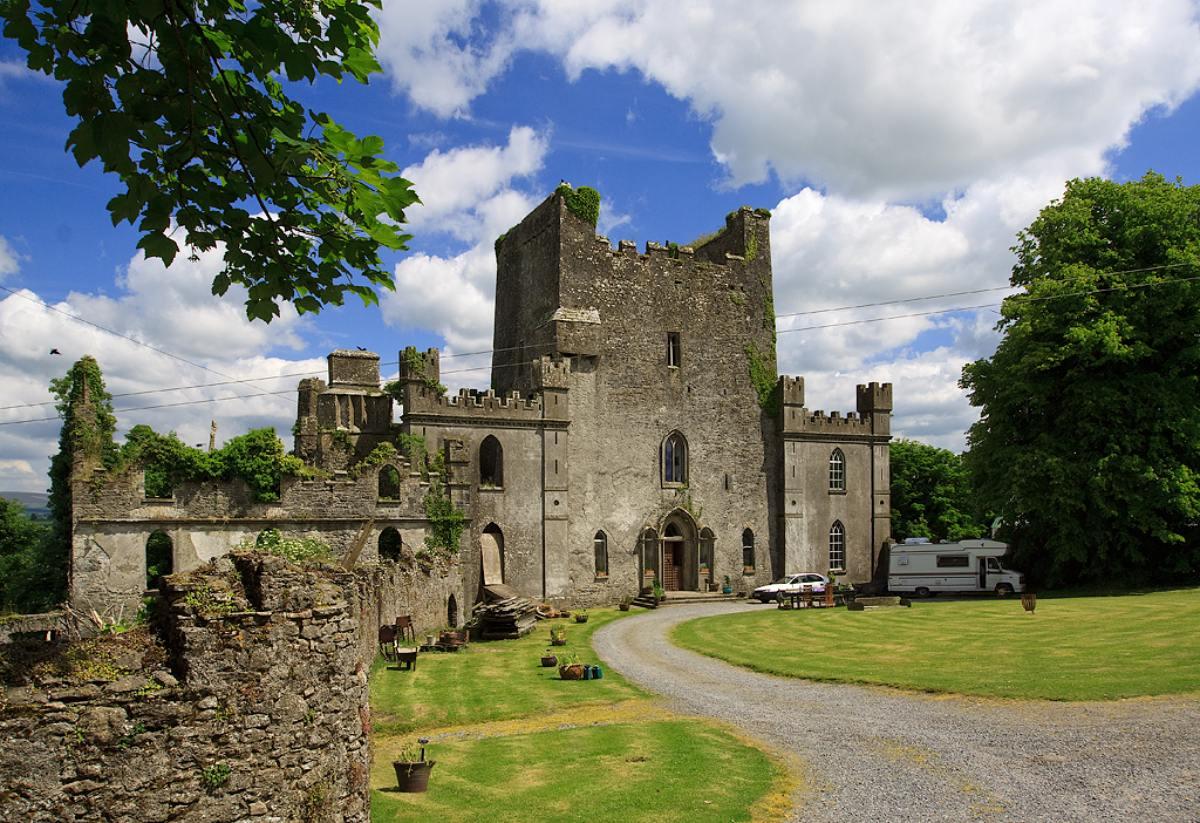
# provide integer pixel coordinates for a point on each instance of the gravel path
(882, 754)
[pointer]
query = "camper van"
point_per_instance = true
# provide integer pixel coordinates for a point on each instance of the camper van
(925, 568)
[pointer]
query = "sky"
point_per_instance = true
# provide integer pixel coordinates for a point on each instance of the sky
(900, 148)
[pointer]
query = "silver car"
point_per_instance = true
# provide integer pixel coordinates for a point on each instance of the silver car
(791, 584)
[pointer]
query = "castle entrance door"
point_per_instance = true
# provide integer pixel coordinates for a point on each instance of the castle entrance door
(679, 561)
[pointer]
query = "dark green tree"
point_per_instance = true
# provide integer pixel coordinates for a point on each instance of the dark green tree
(22, 542)
(188, 103)
(931, 494)
(1089, 430)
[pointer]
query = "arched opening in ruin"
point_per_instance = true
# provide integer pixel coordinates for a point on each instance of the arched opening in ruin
(389, 483)
(491, 463)
(491, 552)
(160, 558)
(390, 545)
(452, 612)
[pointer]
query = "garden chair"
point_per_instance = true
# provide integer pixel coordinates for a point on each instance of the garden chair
(387, 642)
(405, 635)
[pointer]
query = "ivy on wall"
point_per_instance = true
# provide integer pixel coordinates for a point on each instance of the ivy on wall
(583, 202)
(760, 363)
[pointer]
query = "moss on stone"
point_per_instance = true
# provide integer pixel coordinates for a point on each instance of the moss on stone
(583, 202)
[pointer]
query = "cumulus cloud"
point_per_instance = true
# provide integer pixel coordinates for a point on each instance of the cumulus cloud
(472, 197)
(9, 259)
(167, 308)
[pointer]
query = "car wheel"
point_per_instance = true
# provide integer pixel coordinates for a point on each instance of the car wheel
(921, 591)
(1003, 590)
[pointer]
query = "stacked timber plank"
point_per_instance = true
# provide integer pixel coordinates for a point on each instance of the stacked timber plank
(505, 614)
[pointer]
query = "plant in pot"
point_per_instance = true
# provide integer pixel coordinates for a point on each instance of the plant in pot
(647, 581)
(549, 660)
(660, 594)
(581, 616)
(558, 636)
(726, 586)
(625, 603)
(570, 668)
(412, 769)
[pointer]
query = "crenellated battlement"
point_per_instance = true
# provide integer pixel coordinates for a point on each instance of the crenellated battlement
(485, 405)
(872, 418)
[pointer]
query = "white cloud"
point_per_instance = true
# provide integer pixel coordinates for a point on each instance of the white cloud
(473, 199)
(9, 259)
(170, 309)
(15, 468)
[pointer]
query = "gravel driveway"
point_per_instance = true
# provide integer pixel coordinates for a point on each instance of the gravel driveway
(882, 754)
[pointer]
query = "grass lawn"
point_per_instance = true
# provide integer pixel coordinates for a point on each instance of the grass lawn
(1071, 648)
(514, 743)
(491, 681)
(651, 771)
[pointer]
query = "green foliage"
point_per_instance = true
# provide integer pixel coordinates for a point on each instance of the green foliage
(446, 521)
(413, 446)
(159, 557)
(23, 544)
(295, 549)
(761, 212)
(414, 363)
(1088, 443)
(752, 248)
(257, 457)
(186, 103)
(208, 602)
(931, 494)
(214, 776)
(764, 379)
(583, 202)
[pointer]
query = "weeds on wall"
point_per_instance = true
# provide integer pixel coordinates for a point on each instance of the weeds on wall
(295, 549)
(583, 202)
(415, 364)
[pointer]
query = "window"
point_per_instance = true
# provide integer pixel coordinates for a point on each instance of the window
(389, 483)
(160, 558)
(390, 544)
(953, 561)
(674, 459)
(600, 547)
(649, 552)
(747, 550)
(837, 547)
(491, 463)
(707, 542)
(837, 471)
(674, 351)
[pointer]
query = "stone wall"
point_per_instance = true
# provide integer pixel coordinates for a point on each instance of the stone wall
(254, 708)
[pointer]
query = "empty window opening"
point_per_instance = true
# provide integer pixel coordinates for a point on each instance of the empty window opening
(837, 547)
(674, 351)
(747, 550)
(707, 544)
(452, 612)
(491, 551)
(728, 482)
(390, 544)
(491, 463)
(674, 459)
(160, 558)
(389, 483)
(837, 471)
(600, 549)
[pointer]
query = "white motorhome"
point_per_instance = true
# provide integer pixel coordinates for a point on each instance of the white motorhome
(924, 568)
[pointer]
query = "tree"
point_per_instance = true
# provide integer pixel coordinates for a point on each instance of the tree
(1089, 430)
(21, 543)
(184, 101)
(931, 494)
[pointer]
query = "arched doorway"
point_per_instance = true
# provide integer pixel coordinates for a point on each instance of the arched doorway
(491, 551)
(452, 612)
(390, 544)
(160, 558)
(680, 563)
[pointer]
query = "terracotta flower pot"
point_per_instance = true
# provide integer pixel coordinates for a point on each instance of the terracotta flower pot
(571, 672)
(549, 661)
(581, 618)
(413, 776)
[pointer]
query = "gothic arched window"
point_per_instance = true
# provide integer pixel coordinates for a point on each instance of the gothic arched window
(837, 471)
(837, 547)
(600, 548)
(675, 459)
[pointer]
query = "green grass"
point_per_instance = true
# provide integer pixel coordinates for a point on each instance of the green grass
(677, 770)
(1071, 648)
(492, 681)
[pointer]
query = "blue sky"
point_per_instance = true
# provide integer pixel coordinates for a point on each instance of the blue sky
(899, 150)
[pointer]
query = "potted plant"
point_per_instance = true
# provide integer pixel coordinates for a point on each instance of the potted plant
(581, 616)
(625, 603)
(647, 581)
(571, 668)
(558, 636)
(549, 660)
(660, 594)
(726, 586)
(412, 769)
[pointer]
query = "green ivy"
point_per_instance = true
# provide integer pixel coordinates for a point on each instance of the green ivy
(416, 365)
(752, 247)
(583, 202)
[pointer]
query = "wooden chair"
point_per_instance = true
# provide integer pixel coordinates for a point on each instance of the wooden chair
(407, 647)
(387, 642)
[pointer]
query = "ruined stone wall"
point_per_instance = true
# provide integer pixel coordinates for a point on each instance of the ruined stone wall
(255, 709)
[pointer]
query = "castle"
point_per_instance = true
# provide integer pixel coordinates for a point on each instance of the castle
(635, 432)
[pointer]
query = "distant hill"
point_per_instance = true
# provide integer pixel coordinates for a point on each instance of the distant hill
(36, 503)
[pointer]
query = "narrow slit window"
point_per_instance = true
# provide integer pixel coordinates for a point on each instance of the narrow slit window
(748, 550)
(674, 350)
(600, 547)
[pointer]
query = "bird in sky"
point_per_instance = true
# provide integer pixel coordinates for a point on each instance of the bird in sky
(55, 351)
